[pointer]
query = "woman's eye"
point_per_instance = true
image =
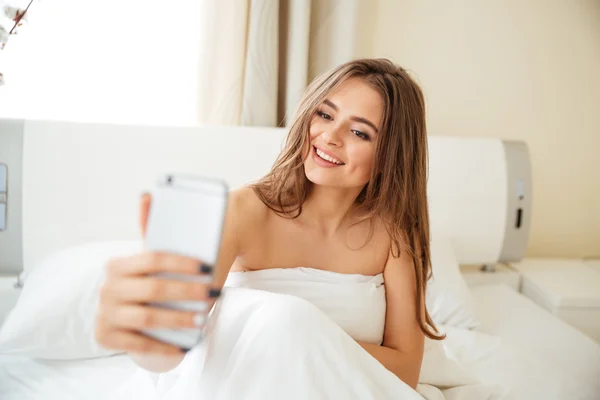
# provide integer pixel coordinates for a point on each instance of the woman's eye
(324, 115)
(361, 135)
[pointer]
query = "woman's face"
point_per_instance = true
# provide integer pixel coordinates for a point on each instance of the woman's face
(343, 133)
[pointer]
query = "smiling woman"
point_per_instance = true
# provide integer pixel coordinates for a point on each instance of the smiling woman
(351, 181)
(359, 139)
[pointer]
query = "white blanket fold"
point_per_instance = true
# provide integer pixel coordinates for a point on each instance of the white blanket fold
(263, 345)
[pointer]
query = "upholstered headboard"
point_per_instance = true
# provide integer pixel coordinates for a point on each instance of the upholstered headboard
(69, 183)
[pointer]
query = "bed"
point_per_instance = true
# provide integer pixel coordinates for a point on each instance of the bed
(511, 356)
(525, 348)
(497, 338)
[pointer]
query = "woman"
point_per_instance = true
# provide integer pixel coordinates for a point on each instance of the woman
(346, 198)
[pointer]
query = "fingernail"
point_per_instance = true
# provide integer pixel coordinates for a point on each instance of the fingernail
(144, 194)
(205, 269)
(199, 320)
(213, 293)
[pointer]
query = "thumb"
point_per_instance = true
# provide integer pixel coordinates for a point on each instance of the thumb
(145, 202)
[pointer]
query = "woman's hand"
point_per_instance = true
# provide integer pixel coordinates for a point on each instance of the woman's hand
(129, 287)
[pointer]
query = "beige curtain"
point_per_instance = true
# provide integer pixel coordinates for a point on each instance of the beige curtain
(257, 56)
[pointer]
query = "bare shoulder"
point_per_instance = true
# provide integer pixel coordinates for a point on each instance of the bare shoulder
(397, 253)
(246, 207)
(400, 261)
(381, 235)
(380, 226)
(244, 211)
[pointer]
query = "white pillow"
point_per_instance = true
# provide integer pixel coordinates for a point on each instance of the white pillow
(54, 317)
(449, 300)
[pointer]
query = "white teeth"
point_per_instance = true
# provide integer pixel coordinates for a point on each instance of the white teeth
(328, 158)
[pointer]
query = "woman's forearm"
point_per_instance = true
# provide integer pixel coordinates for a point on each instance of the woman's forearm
(156, 363)
(395, 361)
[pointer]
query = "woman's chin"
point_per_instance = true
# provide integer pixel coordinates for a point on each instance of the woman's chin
(332, 177)
(320, 179)
(317, 178)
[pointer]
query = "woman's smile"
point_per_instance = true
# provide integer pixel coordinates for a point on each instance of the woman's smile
(325, 159)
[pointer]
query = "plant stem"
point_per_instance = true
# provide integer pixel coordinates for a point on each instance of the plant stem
(19, 18)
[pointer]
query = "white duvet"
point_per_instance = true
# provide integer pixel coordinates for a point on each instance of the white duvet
(266, 345)
(341, 371)
(262, 344)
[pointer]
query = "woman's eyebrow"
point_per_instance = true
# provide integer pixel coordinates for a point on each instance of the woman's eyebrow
(354, 118)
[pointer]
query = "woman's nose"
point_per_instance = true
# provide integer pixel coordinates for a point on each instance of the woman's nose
(333, 136)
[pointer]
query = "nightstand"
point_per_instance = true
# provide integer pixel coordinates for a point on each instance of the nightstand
(474, 275)
(568, 288)
(8, 295)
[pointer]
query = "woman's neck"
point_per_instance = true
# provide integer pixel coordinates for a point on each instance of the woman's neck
(328, 208)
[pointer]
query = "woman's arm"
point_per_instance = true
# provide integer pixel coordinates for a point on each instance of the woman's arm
(156, 363)
(403, 341)
(400, 363)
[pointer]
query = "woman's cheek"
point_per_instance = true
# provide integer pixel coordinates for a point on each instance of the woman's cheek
(314, 128)
(366, 163)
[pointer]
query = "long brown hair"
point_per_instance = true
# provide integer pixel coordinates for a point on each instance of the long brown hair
(397, 189)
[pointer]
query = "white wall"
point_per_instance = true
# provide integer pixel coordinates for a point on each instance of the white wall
(133, 61)
(526, 70)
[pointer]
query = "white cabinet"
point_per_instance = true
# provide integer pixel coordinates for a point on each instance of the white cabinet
(568, 288)
(501, 274)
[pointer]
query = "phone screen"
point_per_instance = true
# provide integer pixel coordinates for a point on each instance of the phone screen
(186, 217)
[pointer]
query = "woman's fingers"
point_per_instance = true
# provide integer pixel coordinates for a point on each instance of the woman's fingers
(132, 342)
(136, 317)
(135, 286)
(143, 290)
(156, 262)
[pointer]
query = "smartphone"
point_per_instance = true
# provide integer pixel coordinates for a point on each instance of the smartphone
(186, 218)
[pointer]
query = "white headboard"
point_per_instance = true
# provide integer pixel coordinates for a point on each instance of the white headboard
(81, 182)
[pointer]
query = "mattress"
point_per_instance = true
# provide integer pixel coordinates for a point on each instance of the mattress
(526, 349)
(522, 323)
(26, 379)
(519, 346)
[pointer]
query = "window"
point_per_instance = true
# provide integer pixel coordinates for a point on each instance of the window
(117, 61)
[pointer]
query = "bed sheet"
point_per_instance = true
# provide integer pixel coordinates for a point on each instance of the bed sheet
(519, 321)
(488, 357)
(523, 347)
(23, 378)
(519, 346)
